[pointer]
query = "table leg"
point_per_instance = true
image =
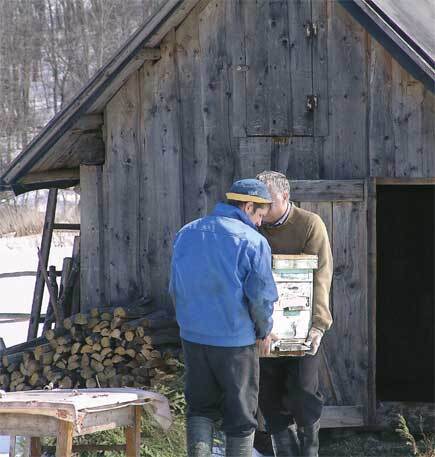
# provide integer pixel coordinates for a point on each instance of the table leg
(35, 447)
(12, 443)
(132, 434)
(64, 439)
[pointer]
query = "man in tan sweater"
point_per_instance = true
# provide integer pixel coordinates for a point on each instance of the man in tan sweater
(289, 398)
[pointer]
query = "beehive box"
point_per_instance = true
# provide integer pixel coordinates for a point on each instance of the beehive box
(292, 314)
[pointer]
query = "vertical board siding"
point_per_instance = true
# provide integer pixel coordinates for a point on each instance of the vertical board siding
(348, 336)
(381, 136)
(254, 156)
(161, 170)
(91, 238)
(268, 76)
(121, 194)
(188, 55)
(345, 149)
(300, 66)
(216, 102)
(320, 13)
(428, 133)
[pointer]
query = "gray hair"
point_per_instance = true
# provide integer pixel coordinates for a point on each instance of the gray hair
(278, 182)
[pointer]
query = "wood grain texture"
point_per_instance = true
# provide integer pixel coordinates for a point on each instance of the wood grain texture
(268, 78)
(120, 178)
(64, 439)
(216, 102)
(194, 149)
(254, 156)
(92, 238)
(132, 434)
(345, 149)
(348, 335)
(160, 190)
(324, 190)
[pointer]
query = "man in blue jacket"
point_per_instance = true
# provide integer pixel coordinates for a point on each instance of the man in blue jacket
(223, 290)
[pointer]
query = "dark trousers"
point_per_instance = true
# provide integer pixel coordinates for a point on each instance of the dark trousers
(222, 384)
(289, 391)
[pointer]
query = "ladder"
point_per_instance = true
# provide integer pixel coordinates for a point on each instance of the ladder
(47, 234)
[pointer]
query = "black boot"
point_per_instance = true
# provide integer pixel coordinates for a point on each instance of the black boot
(239, 446)
(199, 436)
(286, 443)
(310, 440)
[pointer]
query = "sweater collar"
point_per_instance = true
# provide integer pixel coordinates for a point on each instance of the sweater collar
(223, 209)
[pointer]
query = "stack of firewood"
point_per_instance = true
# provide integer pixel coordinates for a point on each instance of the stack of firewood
(109, 347)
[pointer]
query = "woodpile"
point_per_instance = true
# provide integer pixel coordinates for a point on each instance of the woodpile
(108, 347)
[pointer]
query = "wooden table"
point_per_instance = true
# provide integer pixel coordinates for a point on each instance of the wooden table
(67, 413)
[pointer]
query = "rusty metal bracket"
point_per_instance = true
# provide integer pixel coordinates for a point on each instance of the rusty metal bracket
(312, 103)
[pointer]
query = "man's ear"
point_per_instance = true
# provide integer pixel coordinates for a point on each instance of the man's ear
(249, 207)
(286, 196)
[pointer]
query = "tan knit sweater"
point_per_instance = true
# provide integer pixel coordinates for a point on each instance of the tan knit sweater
(305, 233)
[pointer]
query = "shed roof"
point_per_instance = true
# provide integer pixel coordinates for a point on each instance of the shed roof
(73, 136)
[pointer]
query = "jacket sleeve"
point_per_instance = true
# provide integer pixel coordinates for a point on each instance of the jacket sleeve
(318, 243)
(260, 290)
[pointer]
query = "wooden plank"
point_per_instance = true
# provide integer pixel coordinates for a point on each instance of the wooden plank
(299, 157)
(345, 148)
(371, 298)
(42, 266)
(161, 186)
(107, 420)
(301, 66)
(35, 447)
(27, 424)
(320, 11)
(381, 136)
(121, 183)
(254, 156)
(428, 134)
(215, 102)
(405, 181)
(2, 344)
(132, 435)
(235, 38)
(407, 100)
(64, 439)
(92, 252)
(342, 416)
(51, 176)
(268, 78)
(348, 335)
(194, 148)
(324, 190)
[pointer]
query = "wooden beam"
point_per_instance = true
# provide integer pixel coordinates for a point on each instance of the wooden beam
(405, 181)
(342, 416)
(67, 174)
(45, 251)
(64, 439)
(132, 435)
(327, 190)
(88, 122)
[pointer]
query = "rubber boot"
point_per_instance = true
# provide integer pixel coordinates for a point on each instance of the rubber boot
(199, 432)
(286, 443)
(310, 441)
(239, 446)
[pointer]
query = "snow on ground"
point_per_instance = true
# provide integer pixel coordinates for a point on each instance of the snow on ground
(20, 254)
(4, 446)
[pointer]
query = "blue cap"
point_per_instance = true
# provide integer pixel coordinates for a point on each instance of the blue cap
(249, 190)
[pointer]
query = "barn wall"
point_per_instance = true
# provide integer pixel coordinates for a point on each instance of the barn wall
(227, 100)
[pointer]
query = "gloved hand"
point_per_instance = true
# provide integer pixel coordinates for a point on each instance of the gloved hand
(263, 346)
(314, 338)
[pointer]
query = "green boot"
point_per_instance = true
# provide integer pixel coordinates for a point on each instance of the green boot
(199, 432)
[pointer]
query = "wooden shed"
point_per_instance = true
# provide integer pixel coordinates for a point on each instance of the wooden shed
(337, 95)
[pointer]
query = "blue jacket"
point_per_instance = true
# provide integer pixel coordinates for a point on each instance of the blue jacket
(221, 280)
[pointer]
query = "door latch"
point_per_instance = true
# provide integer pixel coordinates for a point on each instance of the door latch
(310, 29)
(312, 102)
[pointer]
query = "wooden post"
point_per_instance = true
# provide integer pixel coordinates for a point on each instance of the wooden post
(49, 317)
(132, 434)
(45, 251)
(2, 345)
(35, 447)
(64, 439)
(12, 443)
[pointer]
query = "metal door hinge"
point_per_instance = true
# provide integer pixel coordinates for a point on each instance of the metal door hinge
(312, 102)
(310, 29)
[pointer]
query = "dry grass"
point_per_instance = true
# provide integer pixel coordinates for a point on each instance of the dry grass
(20, 221)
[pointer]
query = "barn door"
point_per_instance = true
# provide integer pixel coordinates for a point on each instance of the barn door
(345, 359)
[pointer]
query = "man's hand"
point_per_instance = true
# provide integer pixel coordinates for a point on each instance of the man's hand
(263, 346)
(313, 339)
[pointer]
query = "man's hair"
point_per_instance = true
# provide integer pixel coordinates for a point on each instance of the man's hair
(276, 181)
(240, 204)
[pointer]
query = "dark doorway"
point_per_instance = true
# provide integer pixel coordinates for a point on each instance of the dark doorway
(405, 293)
